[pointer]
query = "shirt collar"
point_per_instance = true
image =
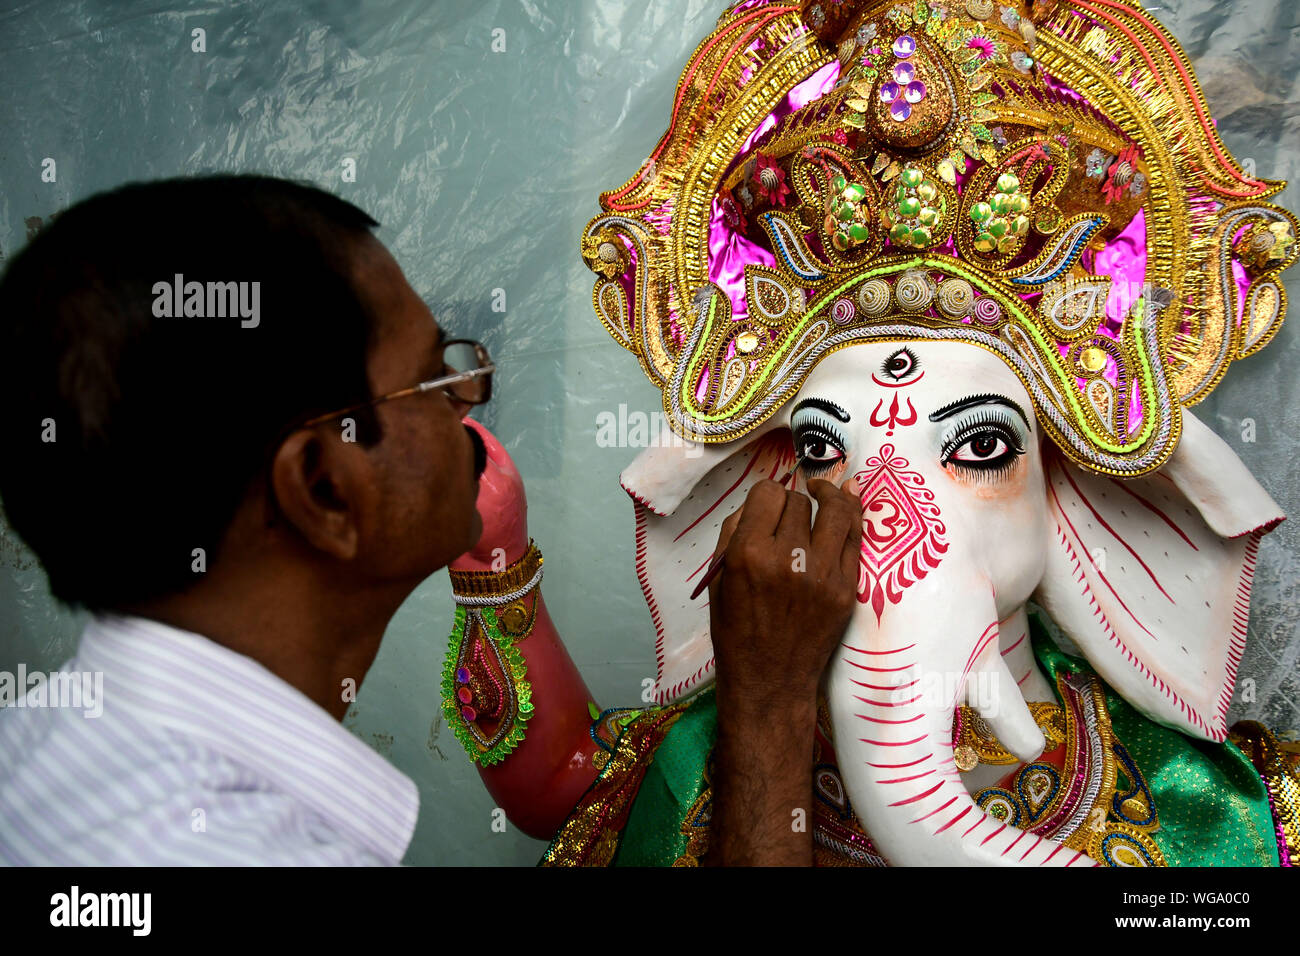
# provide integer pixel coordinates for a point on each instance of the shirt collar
(233, 704)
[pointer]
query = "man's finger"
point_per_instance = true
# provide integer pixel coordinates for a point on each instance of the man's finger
(836, 516)
(795, 520)
(762, 511)
(728, 529)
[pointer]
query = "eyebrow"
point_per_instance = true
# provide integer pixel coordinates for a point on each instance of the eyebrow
(989, 399)
(819, 403)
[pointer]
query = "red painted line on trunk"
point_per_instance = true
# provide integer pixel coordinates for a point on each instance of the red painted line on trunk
(1014, 842)
(934, 811)
(885, 703)
(919, 796)
(1073, 859)
(901, 743)
(899, 766)
(894, 651)
(1030, 850)
(878, 687)
(879, 670)
(917, 776)
(974, 826)
(878, 720)
(952, 821)
(1009, 649)
(993, 834)
(1059, 848)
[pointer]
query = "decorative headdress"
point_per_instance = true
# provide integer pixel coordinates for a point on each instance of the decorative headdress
(1040, 179)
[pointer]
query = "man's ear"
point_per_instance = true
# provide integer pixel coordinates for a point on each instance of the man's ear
(315, 486)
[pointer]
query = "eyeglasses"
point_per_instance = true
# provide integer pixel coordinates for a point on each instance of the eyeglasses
(467, 379)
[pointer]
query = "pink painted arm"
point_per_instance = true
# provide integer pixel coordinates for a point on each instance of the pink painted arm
(541, 781)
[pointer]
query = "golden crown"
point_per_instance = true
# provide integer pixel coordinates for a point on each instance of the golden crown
(1042, 180)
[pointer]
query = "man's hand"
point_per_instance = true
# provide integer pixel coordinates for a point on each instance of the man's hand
(778, 609)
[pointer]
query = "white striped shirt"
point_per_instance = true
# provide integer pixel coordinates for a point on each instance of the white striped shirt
(201, 756)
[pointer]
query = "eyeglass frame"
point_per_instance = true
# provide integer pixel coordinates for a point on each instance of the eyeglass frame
(487, 367)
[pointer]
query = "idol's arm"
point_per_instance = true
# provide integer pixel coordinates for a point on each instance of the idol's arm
(511, 693)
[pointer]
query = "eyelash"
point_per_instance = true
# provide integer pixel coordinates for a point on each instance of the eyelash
(987, 422)
(884, 365)
(827, 434)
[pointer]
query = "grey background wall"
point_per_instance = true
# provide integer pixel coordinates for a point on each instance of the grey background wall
(482, 133)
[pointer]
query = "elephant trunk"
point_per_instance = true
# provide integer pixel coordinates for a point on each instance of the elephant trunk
(892, 688)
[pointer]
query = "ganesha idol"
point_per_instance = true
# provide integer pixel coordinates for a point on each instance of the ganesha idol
(972, 261)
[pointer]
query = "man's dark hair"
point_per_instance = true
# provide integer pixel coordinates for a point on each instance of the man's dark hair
(160, 425)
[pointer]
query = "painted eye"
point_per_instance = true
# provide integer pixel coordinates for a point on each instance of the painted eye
(984, 448)
(818, 452)
(899, 365)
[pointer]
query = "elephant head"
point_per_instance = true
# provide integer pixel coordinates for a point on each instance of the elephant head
(968, 513)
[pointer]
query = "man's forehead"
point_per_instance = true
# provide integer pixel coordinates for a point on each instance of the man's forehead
(397, 310)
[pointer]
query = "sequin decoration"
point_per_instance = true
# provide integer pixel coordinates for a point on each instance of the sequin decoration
(904, 90)
(484, 668)
(916, 213)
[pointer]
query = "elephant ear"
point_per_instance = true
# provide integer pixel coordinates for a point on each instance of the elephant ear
(682, 492)
(1151, 576)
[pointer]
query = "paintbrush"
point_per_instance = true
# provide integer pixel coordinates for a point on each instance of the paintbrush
(715, 565)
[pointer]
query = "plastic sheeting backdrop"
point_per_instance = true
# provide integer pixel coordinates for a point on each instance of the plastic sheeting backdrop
(482, 133)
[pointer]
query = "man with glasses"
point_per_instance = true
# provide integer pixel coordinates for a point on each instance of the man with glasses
(242, 506)
(239, 511)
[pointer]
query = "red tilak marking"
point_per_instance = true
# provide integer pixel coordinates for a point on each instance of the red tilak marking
(897, 384)
(895, 420)
(919, 796)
